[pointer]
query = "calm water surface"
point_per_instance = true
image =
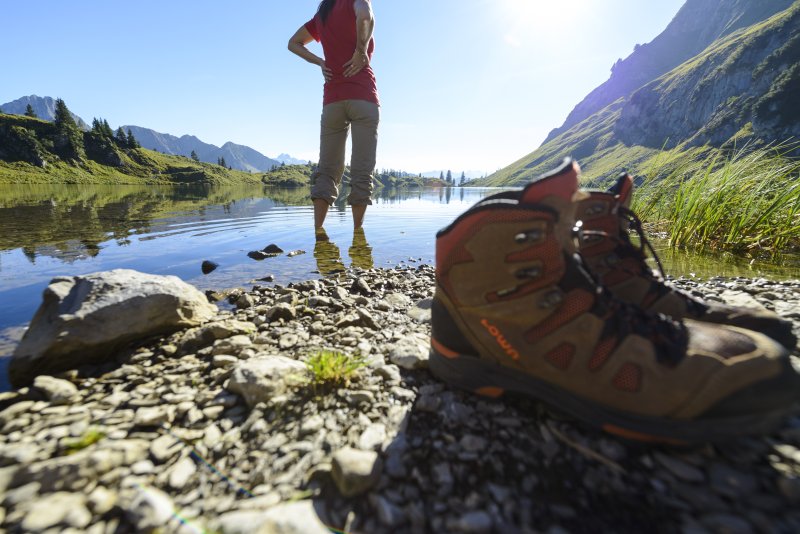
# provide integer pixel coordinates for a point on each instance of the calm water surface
(46, 231)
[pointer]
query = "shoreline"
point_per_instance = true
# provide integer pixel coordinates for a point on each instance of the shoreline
(157, 434)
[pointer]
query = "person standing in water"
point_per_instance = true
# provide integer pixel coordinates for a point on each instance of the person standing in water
(345, 28)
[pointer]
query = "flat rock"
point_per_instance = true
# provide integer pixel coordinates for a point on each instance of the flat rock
(57, 509)
(85, 319)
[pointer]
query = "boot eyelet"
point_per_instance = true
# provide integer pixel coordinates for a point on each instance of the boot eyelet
(551, 300)
(532, 272)
(529, 235)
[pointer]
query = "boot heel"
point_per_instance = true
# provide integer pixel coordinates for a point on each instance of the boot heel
(464, 372)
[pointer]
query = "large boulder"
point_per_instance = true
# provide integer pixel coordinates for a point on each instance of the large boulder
(84, 319)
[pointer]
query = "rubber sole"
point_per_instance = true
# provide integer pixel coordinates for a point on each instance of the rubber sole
(492, 380)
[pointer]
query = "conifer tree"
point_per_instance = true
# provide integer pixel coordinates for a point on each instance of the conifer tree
(107, 131)
(194, 156)
(449, 177)
(131, 140)
(122, 139)
(463, 178)
(30, 113)
(441, 176)
(69, 137)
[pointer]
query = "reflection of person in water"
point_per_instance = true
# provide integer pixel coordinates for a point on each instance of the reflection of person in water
(360, 251)
(328, 255)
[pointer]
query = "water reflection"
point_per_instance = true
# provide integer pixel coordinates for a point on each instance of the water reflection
(329, 257)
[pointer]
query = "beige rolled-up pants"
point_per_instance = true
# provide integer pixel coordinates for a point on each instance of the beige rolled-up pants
(337, 119)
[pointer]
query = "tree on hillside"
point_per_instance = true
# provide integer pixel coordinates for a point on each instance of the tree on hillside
(122, 139)
(107, 131)
(30, 113)
(463, 179)
(131, 140)
(441, 176)
(221, 162)
(449, 178)
(69, 138)
(194, 156)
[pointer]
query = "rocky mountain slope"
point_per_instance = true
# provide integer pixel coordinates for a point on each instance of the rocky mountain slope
(44, 107)
(723, 72)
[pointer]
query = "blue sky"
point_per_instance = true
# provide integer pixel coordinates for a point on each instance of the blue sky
(465, 84)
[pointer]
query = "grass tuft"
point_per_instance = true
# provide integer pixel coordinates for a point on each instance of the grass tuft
(746, 201)
(333, 367)
(90, 437)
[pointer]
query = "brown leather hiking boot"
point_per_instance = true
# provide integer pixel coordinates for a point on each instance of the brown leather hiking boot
(516, 311)
(621, 267)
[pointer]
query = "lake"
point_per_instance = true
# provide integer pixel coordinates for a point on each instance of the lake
(76, 229)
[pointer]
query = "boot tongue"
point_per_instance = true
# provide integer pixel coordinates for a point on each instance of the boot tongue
(623, 189)
(561, 184)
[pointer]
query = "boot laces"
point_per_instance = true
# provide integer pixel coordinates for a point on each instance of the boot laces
(640, 253)
(669, 337)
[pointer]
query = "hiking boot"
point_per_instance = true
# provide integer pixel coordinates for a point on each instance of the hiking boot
(621, 266)
(515, 310)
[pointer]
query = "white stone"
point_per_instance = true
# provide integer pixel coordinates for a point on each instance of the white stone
(355, 471)
(181, 473)
(56, 390)
(410, 352)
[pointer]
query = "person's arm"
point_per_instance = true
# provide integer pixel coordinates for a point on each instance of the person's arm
(365, 25)
(297, 45)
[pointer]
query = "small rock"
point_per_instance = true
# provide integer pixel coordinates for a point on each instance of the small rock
(245, 301)
(272, 249)
(258, 255)
(164, 447)
(472, 443)
(148, 508)
(373, 437)
(295, 253)
(410, 353)
(208, 267)
(731, 483)
(281, 310)
(262, 378)
(355, 471)
(421, 311)
(181, 473)
(154, 416)
(231, 345)
(62, 508)
(388, 513)
(287, 341)
(312, 425)
(56, 390)
(223, 361)
(101, 500)
(360, 287)
(474, 523)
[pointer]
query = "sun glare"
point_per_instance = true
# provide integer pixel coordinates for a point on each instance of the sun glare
(528, 19)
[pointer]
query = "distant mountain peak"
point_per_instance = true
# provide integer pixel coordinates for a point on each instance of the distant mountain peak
(43, 106)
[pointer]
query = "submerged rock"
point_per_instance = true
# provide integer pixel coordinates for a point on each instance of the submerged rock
(209, 267)
(83, 319)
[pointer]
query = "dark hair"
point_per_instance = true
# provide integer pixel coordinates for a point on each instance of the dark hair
(325, 9)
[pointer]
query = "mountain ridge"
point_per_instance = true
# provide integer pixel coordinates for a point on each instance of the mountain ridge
(736, 91)
(239, 157)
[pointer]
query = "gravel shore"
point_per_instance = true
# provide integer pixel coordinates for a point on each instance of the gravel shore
(219, 429)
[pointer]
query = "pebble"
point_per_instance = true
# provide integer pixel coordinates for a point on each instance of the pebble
(56, 390)
(355, 471)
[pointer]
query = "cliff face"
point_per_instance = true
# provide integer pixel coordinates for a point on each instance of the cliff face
(740, 88)
(748, 82)
(698, 24)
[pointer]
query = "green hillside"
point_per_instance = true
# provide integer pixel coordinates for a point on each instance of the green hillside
(740, 90)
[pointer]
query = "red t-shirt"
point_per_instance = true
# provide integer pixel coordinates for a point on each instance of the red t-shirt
(338, 37)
